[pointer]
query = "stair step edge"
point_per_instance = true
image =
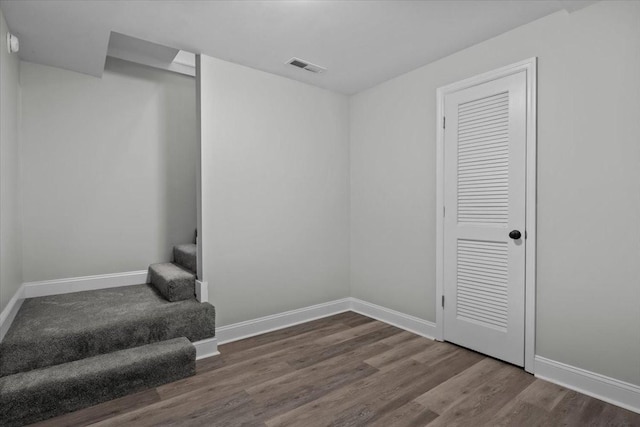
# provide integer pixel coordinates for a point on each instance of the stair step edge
(40, 394)
(191, 320)
(172, 281)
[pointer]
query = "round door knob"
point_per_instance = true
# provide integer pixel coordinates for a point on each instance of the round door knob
(515, 234)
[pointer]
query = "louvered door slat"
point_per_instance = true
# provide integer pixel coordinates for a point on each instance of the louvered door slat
(492, 311)
(481, 164)
(483, 267)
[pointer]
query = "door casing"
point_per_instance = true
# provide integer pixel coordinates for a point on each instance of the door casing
(530, 67)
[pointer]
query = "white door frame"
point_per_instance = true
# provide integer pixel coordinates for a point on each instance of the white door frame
(529, 66)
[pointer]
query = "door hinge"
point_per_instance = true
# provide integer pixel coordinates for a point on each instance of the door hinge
(442, 301)
(444, 122)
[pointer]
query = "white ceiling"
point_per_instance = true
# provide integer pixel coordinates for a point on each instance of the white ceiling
(362, 43)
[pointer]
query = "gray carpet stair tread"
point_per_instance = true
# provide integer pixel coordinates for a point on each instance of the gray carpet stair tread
(44, 393)
(186, 256)
(172, 281)
(62, 328)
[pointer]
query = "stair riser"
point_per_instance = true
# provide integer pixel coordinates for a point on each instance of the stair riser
(173, 288)
(59, 391)
(193, 324)
(185, 258)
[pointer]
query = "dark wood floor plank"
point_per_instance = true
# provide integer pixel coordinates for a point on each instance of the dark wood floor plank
(400, 338)
(275, 351)
(350, 370)
(288, 342)
(235, 378)
(543, 394)
(345, 405)
(531, 407)
(614, 416)
(301, 360)
(577, 409)
(104, 410)
(213, 395)
(253, 363)
(200, 410)
(448, 394)
(351, 333)
(518, 413)
(399, 352)
(486, 401)
(422, 378)
(309, 376)
(280, 403)
(408, 415)
(433, 354)
(318, 411)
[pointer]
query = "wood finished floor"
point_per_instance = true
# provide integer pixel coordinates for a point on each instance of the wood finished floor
(350, 370)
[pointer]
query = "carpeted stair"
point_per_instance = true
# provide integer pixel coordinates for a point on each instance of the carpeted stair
(63, 328)
(66, 352)
(176, 281)
(186, 256)
(35, 395)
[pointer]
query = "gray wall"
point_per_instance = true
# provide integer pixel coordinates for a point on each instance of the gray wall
(588, 308)
(275, 192)
(10, 198)
(108, 169)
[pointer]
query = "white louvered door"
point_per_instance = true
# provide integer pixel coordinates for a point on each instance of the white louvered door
(484, 197)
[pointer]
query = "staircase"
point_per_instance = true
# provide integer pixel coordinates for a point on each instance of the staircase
(176, 281)
(70, 351)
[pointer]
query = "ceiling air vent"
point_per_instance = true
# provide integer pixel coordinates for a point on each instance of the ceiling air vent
(305, 65)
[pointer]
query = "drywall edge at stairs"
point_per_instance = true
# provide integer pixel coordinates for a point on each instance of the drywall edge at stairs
(202, 291)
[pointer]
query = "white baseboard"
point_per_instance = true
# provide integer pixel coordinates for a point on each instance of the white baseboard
(86, 283)
(403, 321)
(202, 291)
(601, 387)
(10, 311)
(262, 325)
(206, 348)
